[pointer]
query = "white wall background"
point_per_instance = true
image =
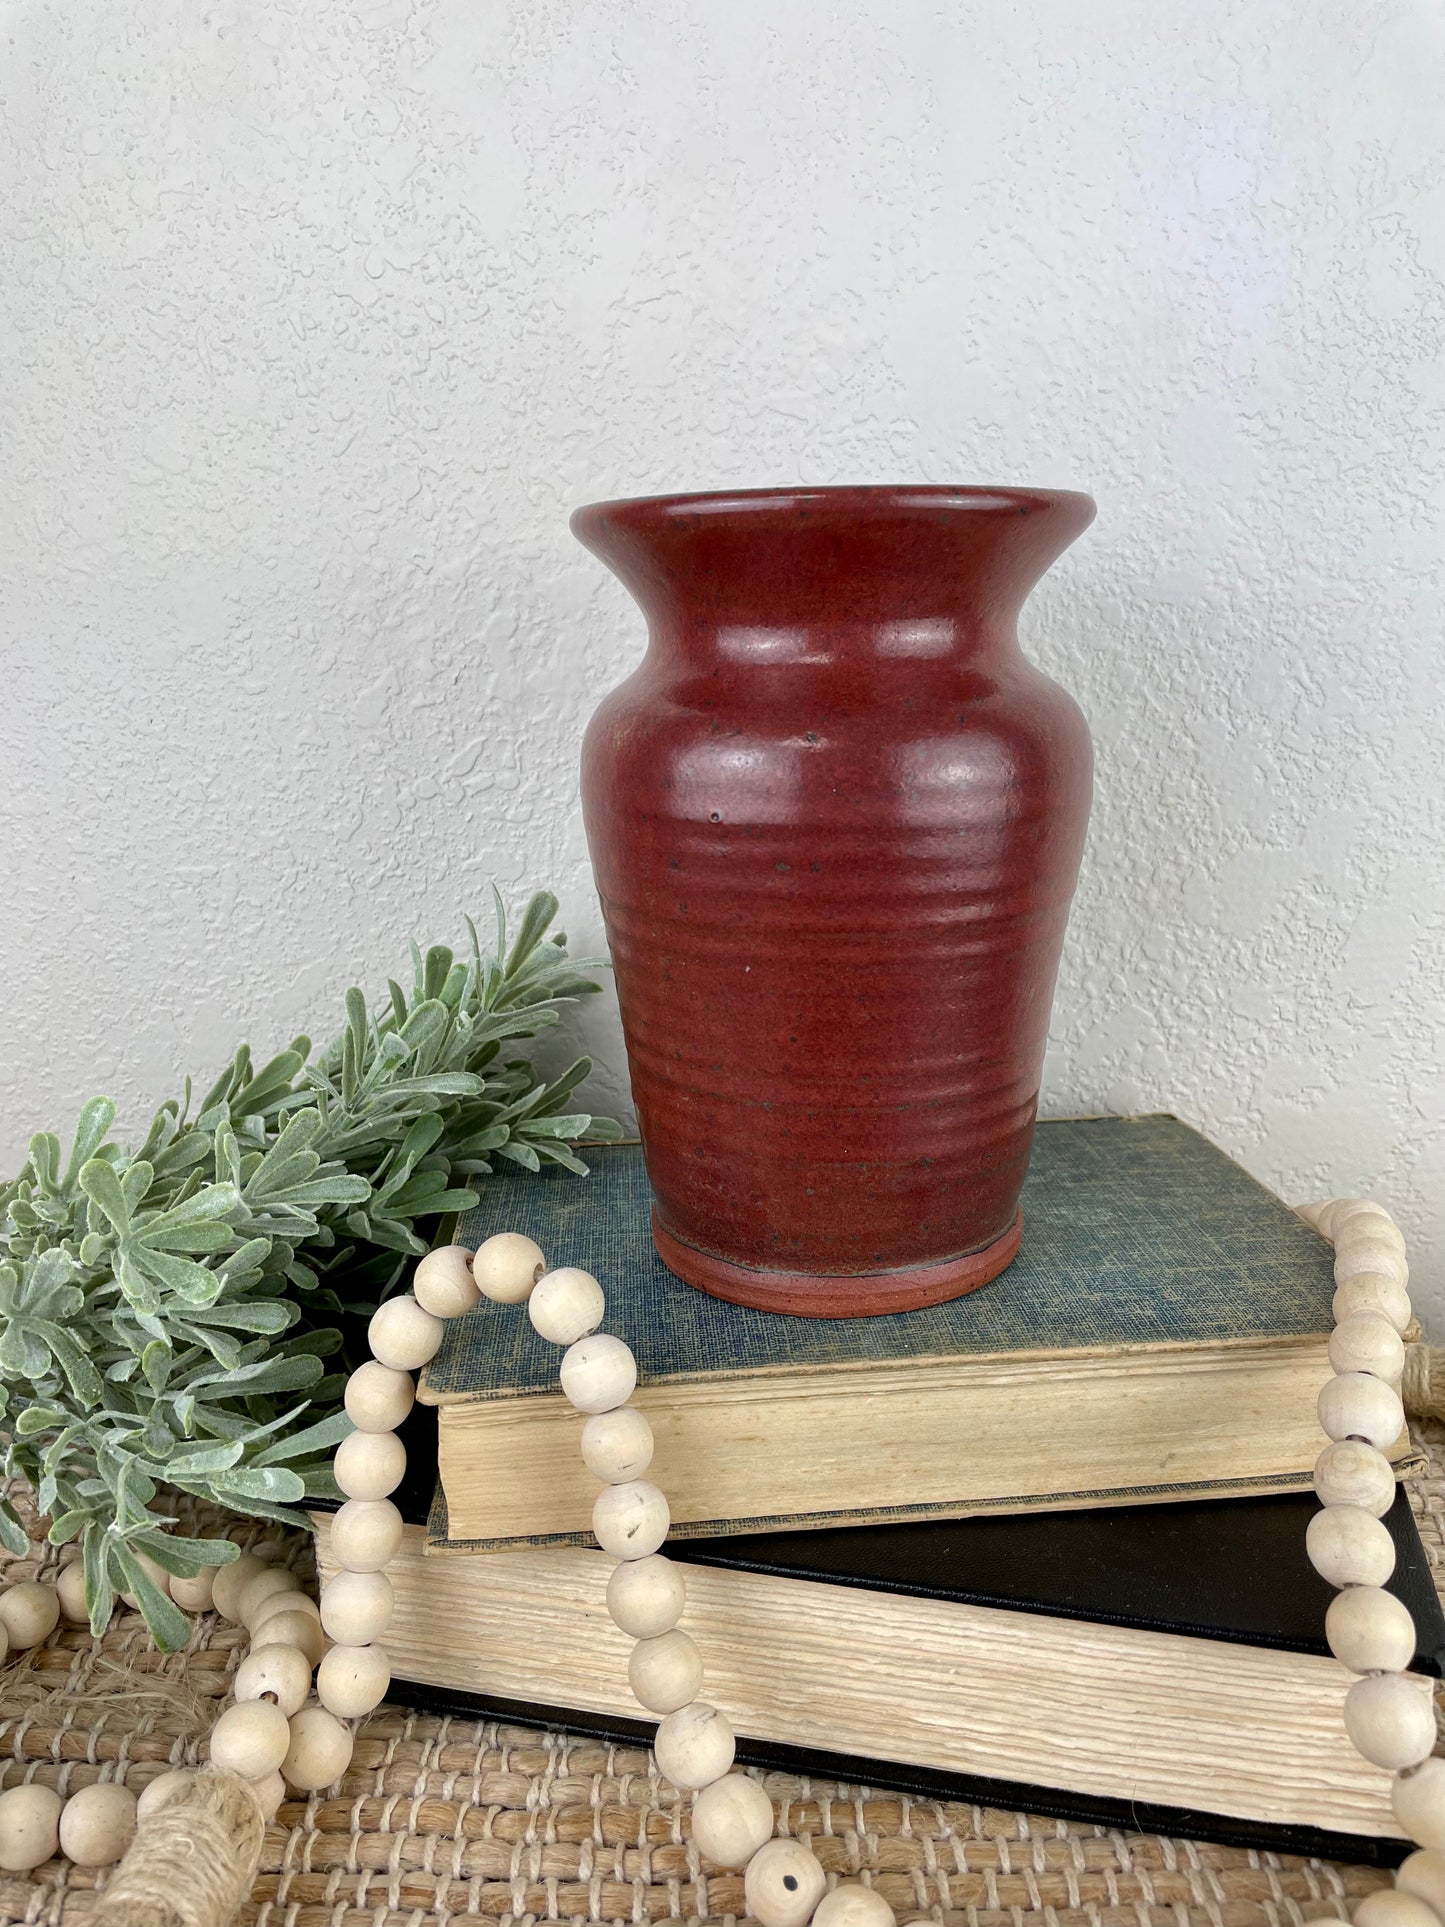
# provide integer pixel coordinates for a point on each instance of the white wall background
(322, 316)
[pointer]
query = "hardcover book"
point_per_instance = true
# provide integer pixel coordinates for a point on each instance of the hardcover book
(1156, 1667)
(1161, 1335)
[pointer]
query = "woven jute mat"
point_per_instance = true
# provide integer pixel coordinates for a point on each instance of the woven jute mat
(442, 1818)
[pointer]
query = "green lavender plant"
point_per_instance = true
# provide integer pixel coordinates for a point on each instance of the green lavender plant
(164, 1312)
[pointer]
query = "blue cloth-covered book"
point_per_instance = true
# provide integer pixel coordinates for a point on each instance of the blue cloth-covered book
(1162, 1334)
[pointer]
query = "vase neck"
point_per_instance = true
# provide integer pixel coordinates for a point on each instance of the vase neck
(887, 574)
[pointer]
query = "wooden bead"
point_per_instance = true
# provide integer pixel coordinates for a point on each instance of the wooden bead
(565, 1305)
(851, 1904)
(403, 1335)
(369, 1465)
(29, 1827)
(443, 1283)
(70, 1593)
(96, 1824)
(507, 1268)
(1423, 1875)
(783, 1884)
(1370, 1223)
(274, 1671)
(665, 1673)
(29, 1613)
(1370, 1630)
(1349, 1547)
(1354, 1405)
(731, 1819)
(229, 1582)
(276, 1603)
(157, 1791)
(617, 1446)
(250, 1738)
(1372, 1291)
(1373, 1255)
(295, 1628)
(1334, 1211)
(276, 1582)
(320, 1750)
(646, 1596)
(694, 1746)
(1366, 1342)
(1365, 1235)
(1418, 1798)
(1349, 1472)
(1390, 1718)
(356, 1607)
(269, 1792)
(630, 1521)
(366, 1535)
(599, 1373)
(352, 1680)
(1344, 1211)
(377, 1398)
(1393, 1907)
(194, 1594)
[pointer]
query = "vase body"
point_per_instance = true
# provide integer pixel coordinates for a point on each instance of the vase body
(836, 820)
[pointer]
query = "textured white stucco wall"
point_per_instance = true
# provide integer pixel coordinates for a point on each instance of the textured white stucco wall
(322, 315)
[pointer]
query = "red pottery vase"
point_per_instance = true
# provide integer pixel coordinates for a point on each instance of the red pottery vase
(836, 820)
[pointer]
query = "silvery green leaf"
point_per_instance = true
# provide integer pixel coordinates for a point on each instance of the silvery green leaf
(215, 1201)
(99, 1593)
(168, 1625)
(38, 1418)
(277, 1484)
(535, 919)
(548, 1153)
(101, 1185)
(186, 1557)
(23, 1352)
(45, 1161)
(269, 1375)
(96, 1118)
(13, 1535)
(321, 1437)
(136, 1178)
(517, 1153)
(195, 1284)
(197, 1461)
(570, 1128)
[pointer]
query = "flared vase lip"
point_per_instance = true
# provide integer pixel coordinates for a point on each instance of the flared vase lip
(831, 502)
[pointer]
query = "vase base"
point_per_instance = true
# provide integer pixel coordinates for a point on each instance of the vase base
(866, 1294)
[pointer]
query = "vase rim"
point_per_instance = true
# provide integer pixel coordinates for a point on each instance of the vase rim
(833, 501)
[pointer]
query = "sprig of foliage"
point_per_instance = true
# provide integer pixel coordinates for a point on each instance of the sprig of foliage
(162, 1311)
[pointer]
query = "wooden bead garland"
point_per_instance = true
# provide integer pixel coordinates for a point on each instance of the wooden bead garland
(732, 1816)
(93, 1828)
(273, 1735)
(1389, 1715)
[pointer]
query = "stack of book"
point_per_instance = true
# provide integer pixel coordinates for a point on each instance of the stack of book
(1040, 1547)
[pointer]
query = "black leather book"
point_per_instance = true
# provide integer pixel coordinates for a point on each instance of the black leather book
(1154, 1667)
